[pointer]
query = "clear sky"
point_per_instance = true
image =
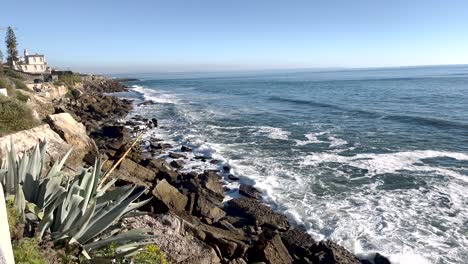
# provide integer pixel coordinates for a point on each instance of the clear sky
(190, 35)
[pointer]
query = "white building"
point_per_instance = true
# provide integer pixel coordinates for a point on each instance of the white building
(32, 63)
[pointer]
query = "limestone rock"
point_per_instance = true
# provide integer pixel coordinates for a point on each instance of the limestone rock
(27, 139)
(259, 213)
(170, 196)
(271, 250)
(72, 132)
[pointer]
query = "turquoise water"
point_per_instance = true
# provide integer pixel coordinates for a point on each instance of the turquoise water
(376, 160)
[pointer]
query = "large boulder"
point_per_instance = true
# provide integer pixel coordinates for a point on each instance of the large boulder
(271, 250)
(27, 139)
(257, 212)
(298, 242)
(328, 252)
(72, 132)
(169, 196)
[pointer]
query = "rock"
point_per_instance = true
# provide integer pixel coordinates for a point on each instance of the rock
(226, 168)
(162, 146)
(178, 164)
(163, 169)
(233, 178)
(297, 241)
(27, 139)
(72, 132)
(271, 250)
(208, 209)
(328, 252)
(137, 171)
(237, 261)
(115, 132)
(177, 155)
(379, 259)
(185, 149)
(210, 180)
(249, 191)
(257, 212)
(170, 196)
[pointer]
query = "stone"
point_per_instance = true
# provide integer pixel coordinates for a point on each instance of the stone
(177, 155)
(206, 208)
(257, 212)
(178, 164)
(249, 191)
(210, 180)
(27, 139)
(72, 132)
(297, 241)
(185, 149)
(271, 250)
(163, 169)
(380, 259)
(233, 178)
(170, 196)
(328, 252)
(136, 170)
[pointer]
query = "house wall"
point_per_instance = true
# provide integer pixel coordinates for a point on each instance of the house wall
(35, 60)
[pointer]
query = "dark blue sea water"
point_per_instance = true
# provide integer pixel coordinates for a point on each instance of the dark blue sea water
(376, 160)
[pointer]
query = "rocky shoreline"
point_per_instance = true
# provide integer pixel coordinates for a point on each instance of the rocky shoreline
(194, 224)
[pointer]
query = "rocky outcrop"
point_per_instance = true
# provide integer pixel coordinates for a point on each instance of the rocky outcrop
(258, 213)
(325, 252)
(72, 132)
(27, 139)
(271, 250)
(169, 196)
(103, 86)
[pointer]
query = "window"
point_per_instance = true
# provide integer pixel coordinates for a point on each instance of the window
(40, 59)
(42, 67)
(35, 67)
(34, 59)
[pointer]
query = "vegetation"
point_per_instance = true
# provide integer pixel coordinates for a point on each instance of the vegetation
(69, 79)
(11, 46)
(80, 215)
(11, 73)
(21, 97)
(20, 85)
(15, 116)
(27, 251)
(1, 63)
(150, 255)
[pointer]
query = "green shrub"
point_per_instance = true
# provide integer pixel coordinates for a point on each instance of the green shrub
(27, 251)
(20, 85)
(13, 74)
(70, 79)
(15, 116)
(21, 97)
(12, 215)
(150, 255)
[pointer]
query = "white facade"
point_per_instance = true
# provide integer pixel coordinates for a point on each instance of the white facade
(32, 64)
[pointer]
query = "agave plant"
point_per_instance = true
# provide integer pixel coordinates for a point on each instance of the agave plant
(78, 211)
(21, 175)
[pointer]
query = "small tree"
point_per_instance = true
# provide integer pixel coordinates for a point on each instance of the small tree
(11, 46)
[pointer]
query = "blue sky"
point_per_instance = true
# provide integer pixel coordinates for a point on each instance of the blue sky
(131, 36)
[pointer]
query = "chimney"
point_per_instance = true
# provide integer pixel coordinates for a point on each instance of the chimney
(26, 52)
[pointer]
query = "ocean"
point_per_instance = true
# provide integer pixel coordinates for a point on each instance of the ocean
(374, 159)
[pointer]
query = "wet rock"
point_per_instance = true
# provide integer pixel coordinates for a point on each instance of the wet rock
(185, 149)
(328, 252)
(298, 242)
(233, 177)
(178, 164)
(170, 196)
(257, 212)
(158, 145)
(177, 155)
(380, 259)
(270, 249)
(249, 191)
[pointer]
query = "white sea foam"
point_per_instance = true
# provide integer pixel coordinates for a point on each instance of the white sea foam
(312, 138)
(273, 132)
(336, 142)
(391, 162)
(155, 95)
